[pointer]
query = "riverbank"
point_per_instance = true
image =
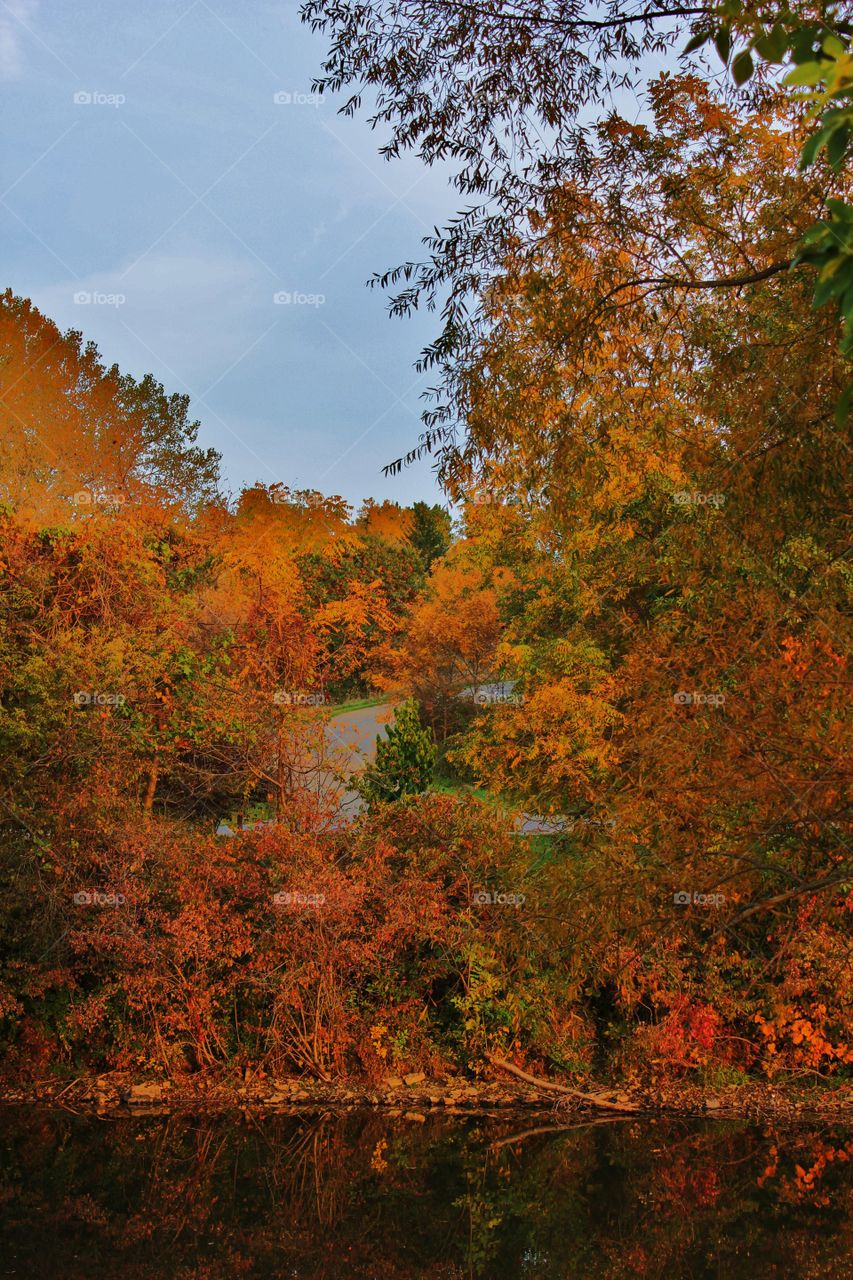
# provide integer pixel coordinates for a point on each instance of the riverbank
(415, 1096)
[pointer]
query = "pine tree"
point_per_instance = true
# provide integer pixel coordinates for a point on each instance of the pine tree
(405, 759)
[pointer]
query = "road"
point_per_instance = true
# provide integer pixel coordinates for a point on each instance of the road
(351, 746)
(352, 734)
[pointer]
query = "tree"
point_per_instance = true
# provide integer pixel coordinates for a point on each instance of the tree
(677, 473)
(405, 758)
(449, 641)
(430, 534)
(519, 98)
(817, 46)
(77, 437)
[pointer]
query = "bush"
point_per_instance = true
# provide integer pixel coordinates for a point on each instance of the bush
(405, 760)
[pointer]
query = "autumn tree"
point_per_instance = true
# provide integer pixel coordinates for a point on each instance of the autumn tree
(517, 99)
(76, 436)
(681, 644)
(450, 640)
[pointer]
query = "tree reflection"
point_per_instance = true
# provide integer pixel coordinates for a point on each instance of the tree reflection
(362, 1195)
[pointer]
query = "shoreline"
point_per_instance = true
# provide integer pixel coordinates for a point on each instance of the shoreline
(416, 1096)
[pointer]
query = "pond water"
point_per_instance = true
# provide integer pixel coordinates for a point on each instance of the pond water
(365, 1195)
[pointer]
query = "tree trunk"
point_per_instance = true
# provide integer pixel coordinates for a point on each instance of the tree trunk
(153, 775)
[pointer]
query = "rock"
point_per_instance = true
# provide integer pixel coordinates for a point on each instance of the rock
(417, 1116)
(712, 1104)
(144, 1093)
(415, 1077)
(300, 1095)
(393, 1082)
(451, 1100)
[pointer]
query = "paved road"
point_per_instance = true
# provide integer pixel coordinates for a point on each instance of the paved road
(352, 735)
(351, 746)
(351, 743)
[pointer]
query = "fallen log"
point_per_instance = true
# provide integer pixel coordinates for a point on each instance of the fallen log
(553, 1128)
(590, 1099)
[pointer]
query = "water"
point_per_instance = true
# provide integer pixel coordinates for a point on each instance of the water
(364, 1195)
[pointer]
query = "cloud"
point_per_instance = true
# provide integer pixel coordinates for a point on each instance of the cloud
(185, 316)
(13, 16)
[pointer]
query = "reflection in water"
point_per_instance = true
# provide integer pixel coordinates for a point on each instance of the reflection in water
(366, 1196)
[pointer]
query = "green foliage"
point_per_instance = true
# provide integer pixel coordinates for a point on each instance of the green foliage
(430, 534)
(820, 53)
(405, 760)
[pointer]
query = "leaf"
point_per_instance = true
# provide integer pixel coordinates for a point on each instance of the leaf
(833, 47)
(723, 42)
(742, 67)
(697, 41)
(837, 146)
(808, 73)
(774, 45)
(813, 147)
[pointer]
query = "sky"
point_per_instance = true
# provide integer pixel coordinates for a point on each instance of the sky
(172, 188)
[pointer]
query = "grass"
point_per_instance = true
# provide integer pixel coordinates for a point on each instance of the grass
(342, 708)
(453, 787)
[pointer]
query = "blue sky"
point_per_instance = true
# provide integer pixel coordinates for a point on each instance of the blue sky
(148, 170)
